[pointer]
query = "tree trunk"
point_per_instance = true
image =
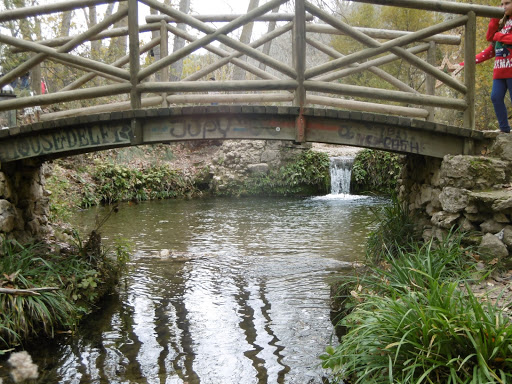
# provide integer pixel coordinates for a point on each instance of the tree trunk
(119, 45)
(177, 67)
(267, 45)
(245, 37)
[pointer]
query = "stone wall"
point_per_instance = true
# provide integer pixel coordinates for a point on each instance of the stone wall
(24, 208)
(236, 160)
(470, 192)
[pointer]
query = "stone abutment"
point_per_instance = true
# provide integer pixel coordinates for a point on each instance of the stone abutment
(473, 193)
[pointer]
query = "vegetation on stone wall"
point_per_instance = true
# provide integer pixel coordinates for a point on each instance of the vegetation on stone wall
(45, 291)
(375, 172)
(412, 317)
(115, 183)
(307, 175)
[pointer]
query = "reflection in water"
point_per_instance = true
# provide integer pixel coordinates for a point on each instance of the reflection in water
(242, 298)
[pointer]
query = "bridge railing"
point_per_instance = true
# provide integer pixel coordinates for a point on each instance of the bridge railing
(292, 80)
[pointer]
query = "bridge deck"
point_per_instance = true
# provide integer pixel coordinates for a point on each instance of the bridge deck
(74, 135)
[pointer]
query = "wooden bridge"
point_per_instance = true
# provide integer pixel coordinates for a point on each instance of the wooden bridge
(133, 102)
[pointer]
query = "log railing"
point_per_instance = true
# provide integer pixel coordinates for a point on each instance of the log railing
(289, 81)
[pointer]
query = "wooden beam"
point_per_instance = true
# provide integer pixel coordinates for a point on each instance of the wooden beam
(470, 70)
(232, 56)
(216, 34)
(441, 6)
(393, 46)
(376, 71)
(227, 18)
(240, 98)
(118, 63)
(103, 108)
(218, 86)
(68, 46)
(65, 57)
(385, 94)
(114, 32)
(61, 97)
(299, 51)
(226, 58)
(134, 52)
(382, 33)
(48, 8)
(367, 107)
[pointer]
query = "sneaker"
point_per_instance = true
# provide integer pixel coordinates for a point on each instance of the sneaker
(505, 130)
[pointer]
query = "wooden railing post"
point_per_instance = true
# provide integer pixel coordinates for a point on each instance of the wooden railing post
(134, 52)
(299, 63)
(164, 52)
(430, 81)
(470, 70)
(299, 51)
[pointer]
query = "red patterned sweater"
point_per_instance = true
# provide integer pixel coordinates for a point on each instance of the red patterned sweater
(501, 49)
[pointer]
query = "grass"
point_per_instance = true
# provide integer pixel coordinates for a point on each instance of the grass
(78, 282)
(414, 319)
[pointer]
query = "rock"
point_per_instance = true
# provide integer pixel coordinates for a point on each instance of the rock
(502, 147)
(472, 172)
(444, 219)
(258, 169)
(454, 200)
(492, 247)
(507, 236)
(7, 216)
(491, 226)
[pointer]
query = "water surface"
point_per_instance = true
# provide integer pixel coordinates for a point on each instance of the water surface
(219, 291)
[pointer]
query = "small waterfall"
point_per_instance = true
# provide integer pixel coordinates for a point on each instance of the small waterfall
(341, 170)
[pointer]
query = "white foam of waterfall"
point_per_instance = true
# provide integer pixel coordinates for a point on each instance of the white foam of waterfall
(341, 171)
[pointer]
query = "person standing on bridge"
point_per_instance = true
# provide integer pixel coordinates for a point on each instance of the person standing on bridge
(499, 33)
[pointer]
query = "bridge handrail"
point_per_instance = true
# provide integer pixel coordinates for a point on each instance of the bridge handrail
(295, 84)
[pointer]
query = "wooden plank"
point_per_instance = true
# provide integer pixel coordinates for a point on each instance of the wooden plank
(367, 107)
(205, 18)
(441, 6)
(385, 94)
(387, 34)
(470, 70)
(299, 55)
(134, 53)
(61, 97)
(48, 8)
(231, 98)
(218, 86)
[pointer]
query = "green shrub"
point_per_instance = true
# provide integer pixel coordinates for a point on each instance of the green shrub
(307, 175)
(115, 183)
(439, 335)
(411, 323)
(375, 172)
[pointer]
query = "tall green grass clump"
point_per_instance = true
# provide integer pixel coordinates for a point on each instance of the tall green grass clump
(396, 231)
(26, 314)
(412, 323)
(42, 292)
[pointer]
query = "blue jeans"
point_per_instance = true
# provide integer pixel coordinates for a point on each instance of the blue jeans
(499, 90)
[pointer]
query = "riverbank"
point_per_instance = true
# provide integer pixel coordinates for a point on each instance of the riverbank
(419, 311)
